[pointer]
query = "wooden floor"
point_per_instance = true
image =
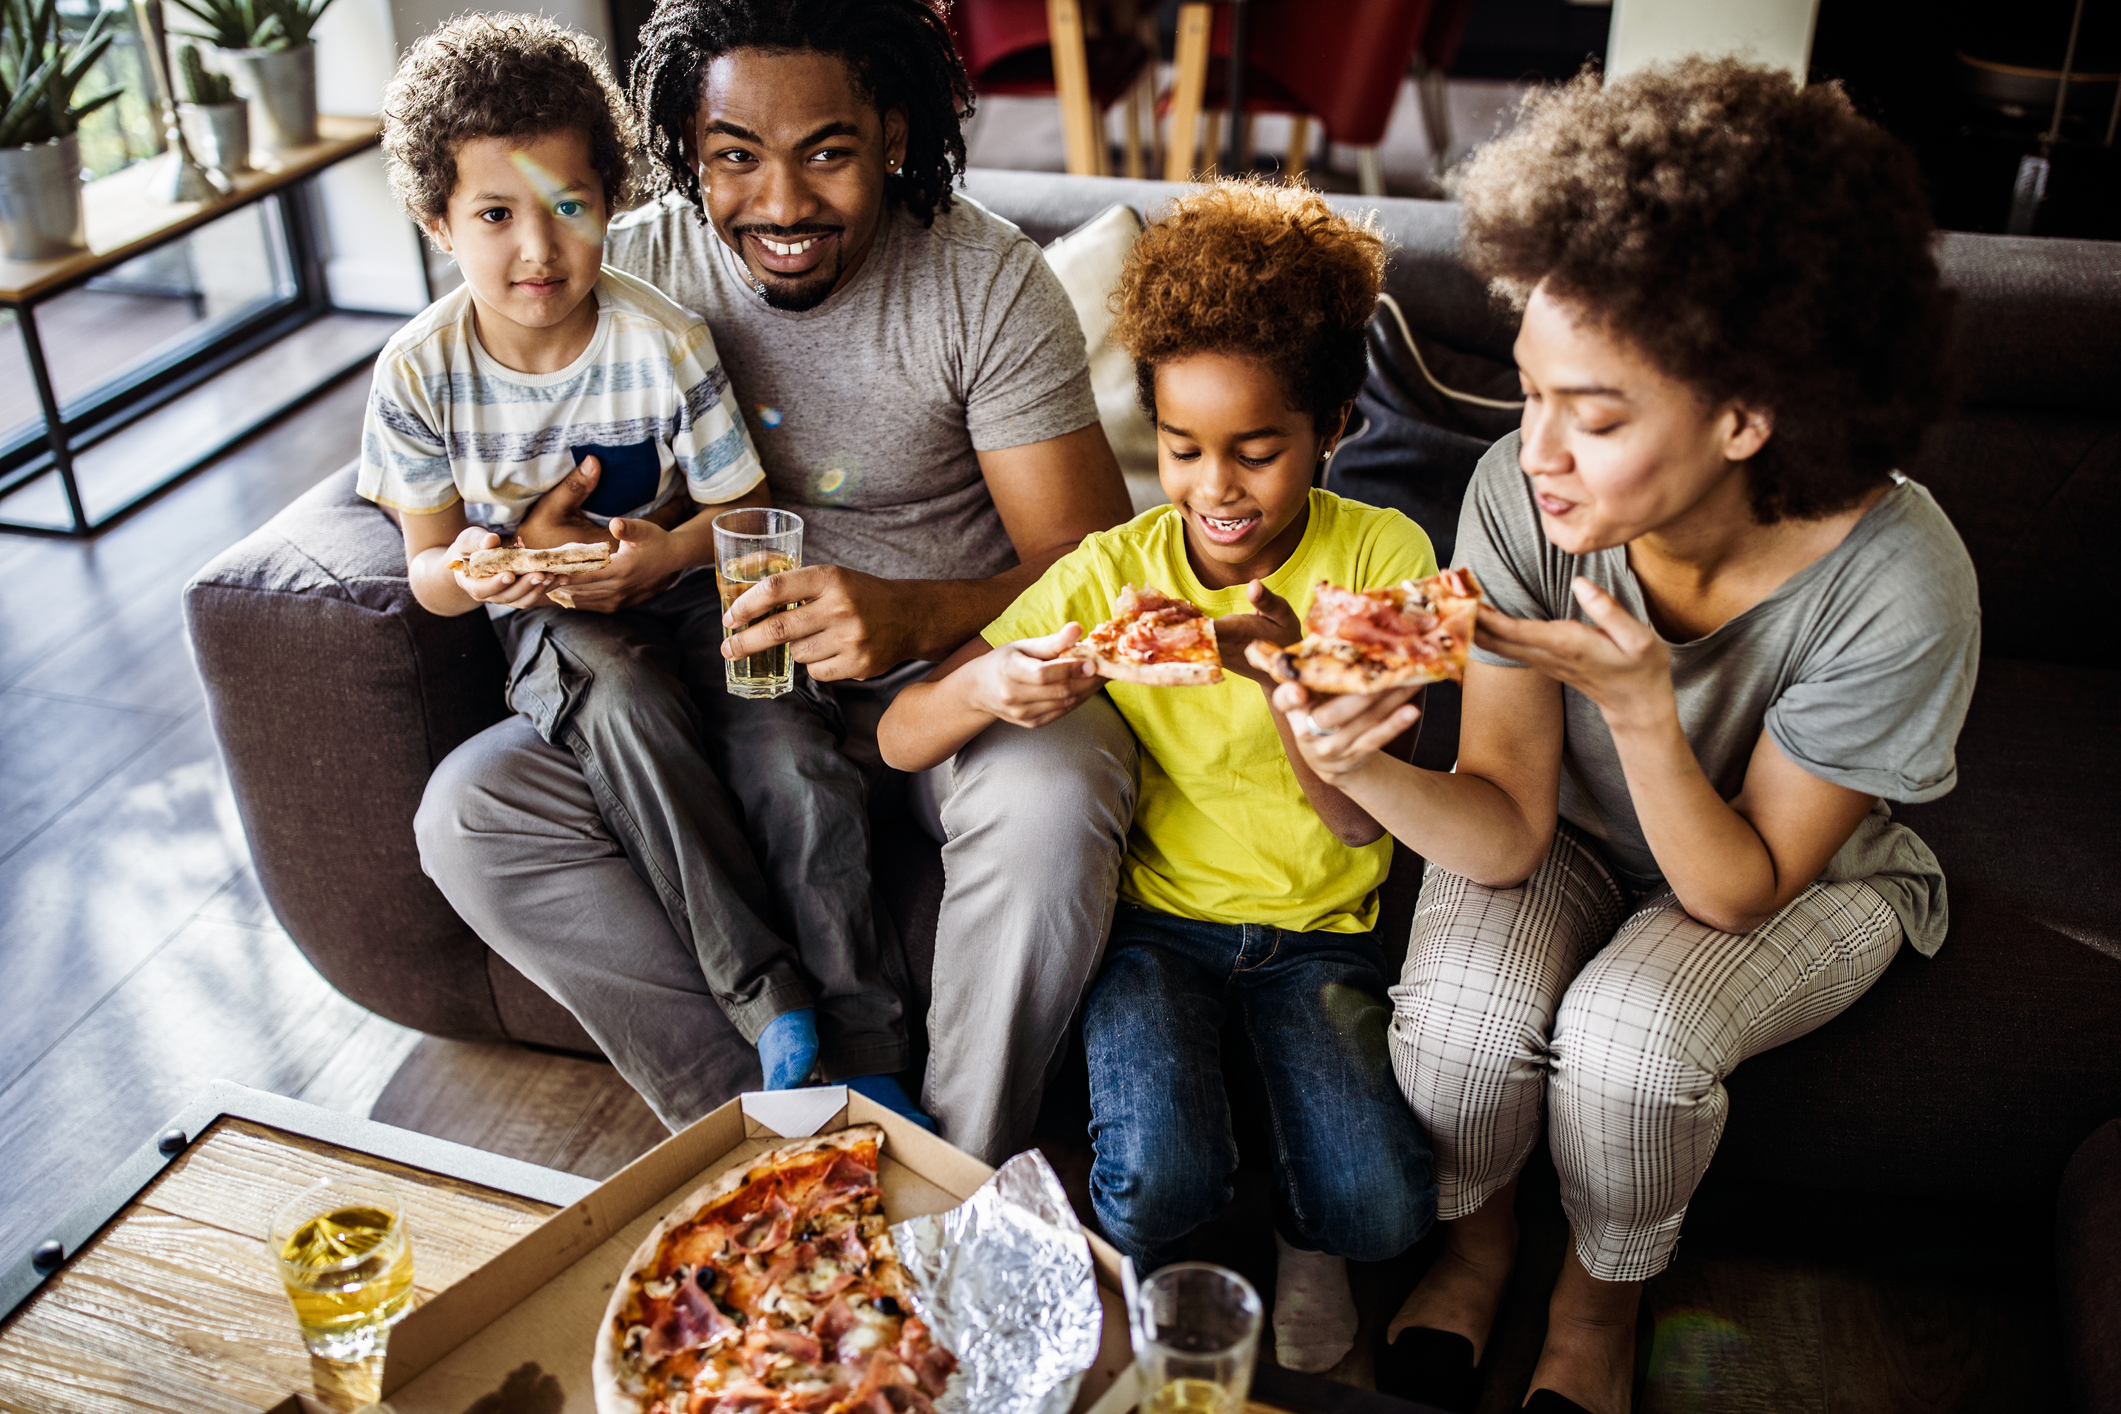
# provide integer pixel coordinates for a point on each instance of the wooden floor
(138, 961)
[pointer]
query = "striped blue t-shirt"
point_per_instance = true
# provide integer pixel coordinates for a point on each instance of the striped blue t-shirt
(447, 423)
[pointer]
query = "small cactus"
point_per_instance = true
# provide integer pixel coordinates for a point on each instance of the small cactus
(201, 85)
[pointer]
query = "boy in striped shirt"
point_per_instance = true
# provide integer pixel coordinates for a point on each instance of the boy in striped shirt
(508, 143)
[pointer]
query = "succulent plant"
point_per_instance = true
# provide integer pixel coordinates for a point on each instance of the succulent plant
(199, 84)
(40, 68)
(256, 24)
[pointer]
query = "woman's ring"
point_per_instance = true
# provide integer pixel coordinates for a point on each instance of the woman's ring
(1313, 729)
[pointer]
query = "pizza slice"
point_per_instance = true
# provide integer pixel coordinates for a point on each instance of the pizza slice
(1155, 640)
(1415, 632)
(773, 1288)
(518, 559)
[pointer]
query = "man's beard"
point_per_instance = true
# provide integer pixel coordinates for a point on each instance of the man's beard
(798, 292)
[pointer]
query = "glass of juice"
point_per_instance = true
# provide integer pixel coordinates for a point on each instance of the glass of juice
(347, 1262)
(1196, 1330)
(750, 545)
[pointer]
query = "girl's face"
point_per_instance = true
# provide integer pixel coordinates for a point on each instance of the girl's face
(1616, 448)
(1236, 461)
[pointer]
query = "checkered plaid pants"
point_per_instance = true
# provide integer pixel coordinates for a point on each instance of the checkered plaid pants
(1621, 1019)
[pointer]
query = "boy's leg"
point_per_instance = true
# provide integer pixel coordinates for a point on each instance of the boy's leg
(607, 688)
(1159, 1117)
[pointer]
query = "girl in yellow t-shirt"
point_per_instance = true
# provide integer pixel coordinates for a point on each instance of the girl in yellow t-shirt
(1249, 885)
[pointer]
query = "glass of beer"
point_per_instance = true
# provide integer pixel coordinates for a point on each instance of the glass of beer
(1196, 1329)
(750, 545)
(347, 1262)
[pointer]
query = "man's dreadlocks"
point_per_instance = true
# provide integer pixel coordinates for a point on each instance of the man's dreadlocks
(899, 52)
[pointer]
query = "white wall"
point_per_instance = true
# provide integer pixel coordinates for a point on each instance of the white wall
(1775, 32)
(372, 253)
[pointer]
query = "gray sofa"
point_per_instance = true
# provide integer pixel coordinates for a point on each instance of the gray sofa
(1977, 1073)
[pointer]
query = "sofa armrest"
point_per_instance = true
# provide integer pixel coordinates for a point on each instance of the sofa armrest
(333, 695)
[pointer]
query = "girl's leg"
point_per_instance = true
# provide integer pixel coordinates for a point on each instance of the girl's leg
(1485, 972)
(1159, 1118)
(1646, 1036)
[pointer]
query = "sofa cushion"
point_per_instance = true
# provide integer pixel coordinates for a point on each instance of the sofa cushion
(2088, 1263)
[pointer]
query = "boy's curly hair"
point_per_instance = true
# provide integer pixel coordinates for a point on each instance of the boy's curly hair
(1756, 239)
(499, 75)
(1269, 272)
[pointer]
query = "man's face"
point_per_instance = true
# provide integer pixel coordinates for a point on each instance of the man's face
(792, 160)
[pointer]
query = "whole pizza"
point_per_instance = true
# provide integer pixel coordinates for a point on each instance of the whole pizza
(1155, 640)
(1419, 631)
(773, 1288)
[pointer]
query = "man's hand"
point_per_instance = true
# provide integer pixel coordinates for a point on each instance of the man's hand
(1615, 660)
(845, 624)
(646, 562)
(513, 590)
(1272, 621)
(556, 518)
(1028, 684)
(1339, 735)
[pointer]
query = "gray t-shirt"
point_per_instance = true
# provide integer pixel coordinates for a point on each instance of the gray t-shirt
(867, 411)
(1859, 666)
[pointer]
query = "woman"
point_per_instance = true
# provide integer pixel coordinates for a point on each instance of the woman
(1724, 632)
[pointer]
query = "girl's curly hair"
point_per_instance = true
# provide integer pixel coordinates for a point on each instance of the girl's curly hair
(499, 75)
(1269, 272)
(899, 52)
(1756, 239)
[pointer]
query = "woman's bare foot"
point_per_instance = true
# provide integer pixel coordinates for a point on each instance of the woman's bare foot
(1463, 1290)
(1589, 1354)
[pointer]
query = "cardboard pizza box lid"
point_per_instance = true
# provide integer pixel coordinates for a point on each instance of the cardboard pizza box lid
(518, 1333)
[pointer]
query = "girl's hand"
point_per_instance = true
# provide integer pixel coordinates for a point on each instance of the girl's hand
(1339, 735)
(1027, 684)
(1272, 621)
(516, 591)
(1615, 660)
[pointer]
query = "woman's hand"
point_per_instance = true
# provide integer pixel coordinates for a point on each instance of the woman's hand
(1616, 660)
(516, 591)
(1339, 735)
(1028, 684)
(1272, 620)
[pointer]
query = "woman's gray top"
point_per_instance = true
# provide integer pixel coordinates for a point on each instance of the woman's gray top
(1859, 667)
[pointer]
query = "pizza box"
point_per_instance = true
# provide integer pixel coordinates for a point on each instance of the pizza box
(518, 1333)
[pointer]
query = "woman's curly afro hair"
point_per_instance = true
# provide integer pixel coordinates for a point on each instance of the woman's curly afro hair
(1756, 239)
(499, 75)
(899, 51)
(1269, 272)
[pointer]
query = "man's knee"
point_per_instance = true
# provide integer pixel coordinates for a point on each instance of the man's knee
(1077, 776)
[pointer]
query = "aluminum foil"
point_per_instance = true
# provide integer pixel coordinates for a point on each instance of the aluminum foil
(1004, 1280)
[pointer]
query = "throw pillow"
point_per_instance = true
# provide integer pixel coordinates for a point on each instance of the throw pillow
(1088, 261)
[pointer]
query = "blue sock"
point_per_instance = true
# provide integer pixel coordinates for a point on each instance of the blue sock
(788, 1048)
(886, 1091)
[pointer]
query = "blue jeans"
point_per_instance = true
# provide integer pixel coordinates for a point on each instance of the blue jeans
(1351, 1163)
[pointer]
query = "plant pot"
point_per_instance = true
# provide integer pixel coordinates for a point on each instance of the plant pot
(281, 87)
(218, 134)
(40, 200)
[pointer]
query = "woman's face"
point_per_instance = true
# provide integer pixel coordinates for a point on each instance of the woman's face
(1616, 448)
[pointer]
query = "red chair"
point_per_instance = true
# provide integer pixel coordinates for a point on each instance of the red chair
(1042, 47)
(1339, 62)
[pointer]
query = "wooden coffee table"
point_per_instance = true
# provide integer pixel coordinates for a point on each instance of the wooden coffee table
(172, 1302)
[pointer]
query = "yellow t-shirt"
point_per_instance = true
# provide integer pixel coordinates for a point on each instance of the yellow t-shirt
(1222, 831)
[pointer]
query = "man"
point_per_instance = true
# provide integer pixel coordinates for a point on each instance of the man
(917, 388)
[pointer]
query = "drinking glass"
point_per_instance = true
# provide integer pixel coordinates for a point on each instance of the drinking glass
(750, 545)
(1196, 1332)
(347, 1263)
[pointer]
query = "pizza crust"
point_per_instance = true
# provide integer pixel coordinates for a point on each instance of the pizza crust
(517, 559)
(1151, 674)
(612, 1383)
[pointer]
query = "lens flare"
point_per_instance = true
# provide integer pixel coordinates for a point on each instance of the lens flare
(588, 223)
(1690, 1353)
(770, 418)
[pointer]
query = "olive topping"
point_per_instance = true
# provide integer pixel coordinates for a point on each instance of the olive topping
(887, 1305)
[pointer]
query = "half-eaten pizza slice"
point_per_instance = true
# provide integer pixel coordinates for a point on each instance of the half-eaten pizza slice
(1416, 632)
(1154, 639)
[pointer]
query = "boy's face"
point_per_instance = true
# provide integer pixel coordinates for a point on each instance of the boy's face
(792, 162)
(526, 225)
(1237, 462)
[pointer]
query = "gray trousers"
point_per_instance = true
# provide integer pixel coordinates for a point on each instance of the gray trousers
(613, 864)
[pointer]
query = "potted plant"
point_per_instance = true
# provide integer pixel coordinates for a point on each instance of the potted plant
(40, 154)
(264, 48)
(216, 122)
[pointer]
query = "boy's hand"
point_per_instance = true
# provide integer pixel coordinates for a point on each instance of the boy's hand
(1022, 683)
(517, 591)
(1271, 621)
(1339, 735)
(645, 563)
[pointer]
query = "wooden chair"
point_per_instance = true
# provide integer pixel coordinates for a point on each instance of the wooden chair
(1089, 61)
